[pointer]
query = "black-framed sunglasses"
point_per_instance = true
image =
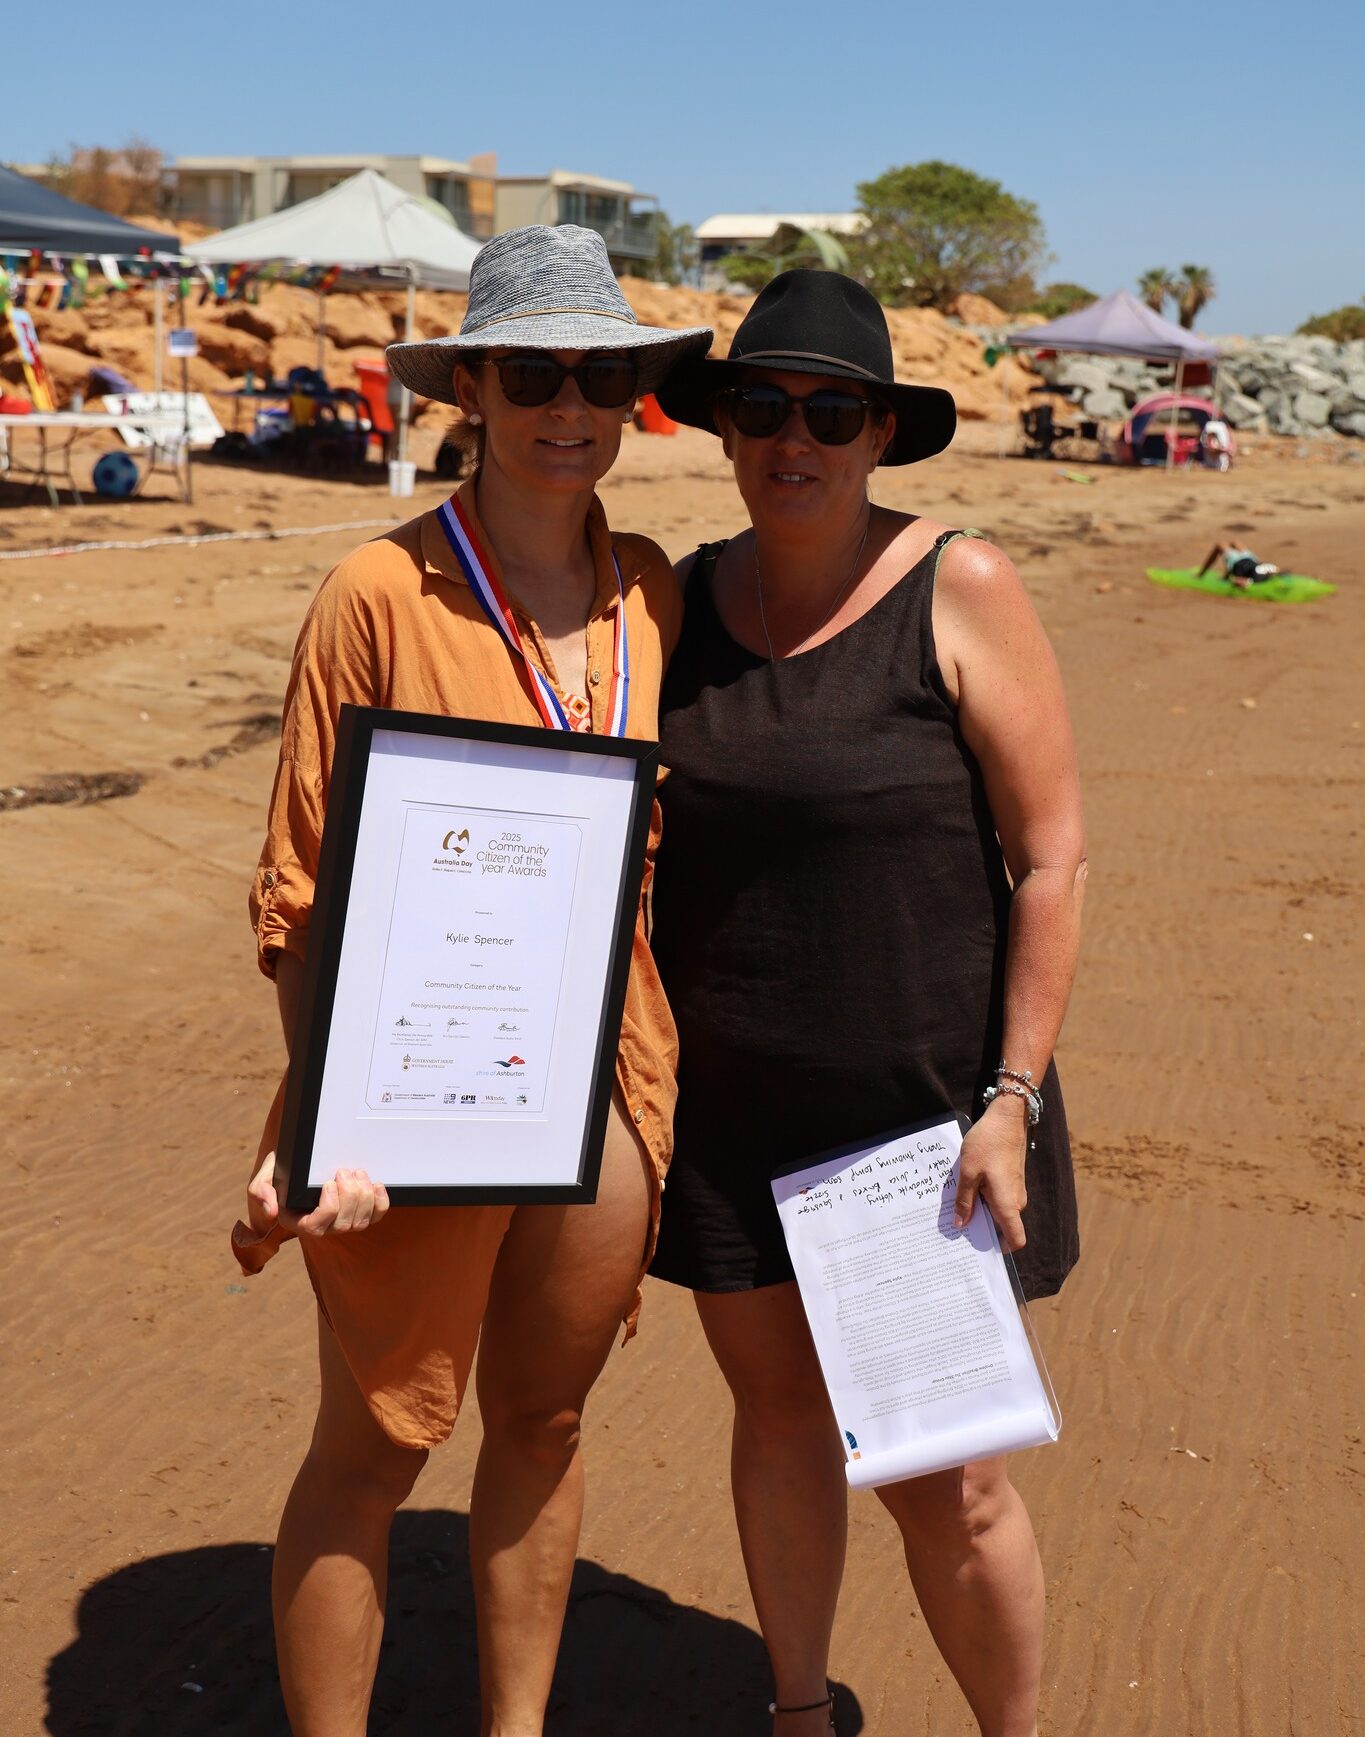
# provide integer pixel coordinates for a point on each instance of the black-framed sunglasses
(608, 382)
(832, 418)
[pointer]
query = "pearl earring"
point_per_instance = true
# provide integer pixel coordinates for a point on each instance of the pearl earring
(475, 419)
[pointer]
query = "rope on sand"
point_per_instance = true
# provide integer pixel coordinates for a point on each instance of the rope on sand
(201, 537)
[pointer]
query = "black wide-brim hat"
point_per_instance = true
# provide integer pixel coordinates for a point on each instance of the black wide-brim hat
(816, 322)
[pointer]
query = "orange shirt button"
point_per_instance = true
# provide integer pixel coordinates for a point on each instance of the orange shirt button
(639, 1115)
(595, 677)
(268, 878)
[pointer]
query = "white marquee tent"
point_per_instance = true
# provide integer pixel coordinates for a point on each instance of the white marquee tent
(374, 231)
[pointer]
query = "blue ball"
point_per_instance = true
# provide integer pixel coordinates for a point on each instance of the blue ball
(116, 474)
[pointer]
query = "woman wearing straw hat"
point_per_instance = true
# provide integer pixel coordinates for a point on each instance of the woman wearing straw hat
(866, 915)
(511, 602)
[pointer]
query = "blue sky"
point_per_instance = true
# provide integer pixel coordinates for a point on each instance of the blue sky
(1228, 135)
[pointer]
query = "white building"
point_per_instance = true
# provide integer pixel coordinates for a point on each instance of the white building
(225, 191)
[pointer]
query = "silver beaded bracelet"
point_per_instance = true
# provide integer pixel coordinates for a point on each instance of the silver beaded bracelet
(1008, 1088)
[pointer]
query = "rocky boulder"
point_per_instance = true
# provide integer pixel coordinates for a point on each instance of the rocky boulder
(1241, 410)
(231, 349)
(355, 320)
(1287, 385)
(1312, 409)
(64, 326)
(1090, 376)
(1105, 404)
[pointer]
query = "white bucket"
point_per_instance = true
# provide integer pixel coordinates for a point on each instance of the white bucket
(402, 476)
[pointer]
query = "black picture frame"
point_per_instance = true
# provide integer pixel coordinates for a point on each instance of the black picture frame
(356, 729)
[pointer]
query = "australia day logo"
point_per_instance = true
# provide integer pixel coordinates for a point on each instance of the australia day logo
(455, 855)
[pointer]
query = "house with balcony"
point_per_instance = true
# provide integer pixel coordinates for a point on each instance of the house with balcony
(626, 219)
(221, 192)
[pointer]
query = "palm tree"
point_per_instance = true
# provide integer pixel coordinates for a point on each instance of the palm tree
(1154, 286)
(1193, 290)
(787, 248)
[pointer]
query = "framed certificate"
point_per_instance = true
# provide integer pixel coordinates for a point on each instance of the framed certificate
(467, 961)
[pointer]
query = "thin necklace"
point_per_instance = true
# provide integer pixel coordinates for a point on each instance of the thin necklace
(824, 619)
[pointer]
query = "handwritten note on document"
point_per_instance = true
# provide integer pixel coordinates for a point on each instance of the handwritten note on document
(924, 1349)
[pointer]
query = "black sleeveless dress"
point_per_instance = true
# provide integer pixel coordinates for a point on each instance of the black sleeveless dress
(830, 917)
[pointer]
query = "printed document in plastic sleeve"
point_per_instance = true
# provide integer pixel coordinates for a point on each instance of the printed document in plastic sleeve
(923, 1341)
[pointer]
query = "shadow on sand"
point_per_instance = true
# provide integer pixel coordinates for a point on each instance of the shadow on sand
(633, 1663)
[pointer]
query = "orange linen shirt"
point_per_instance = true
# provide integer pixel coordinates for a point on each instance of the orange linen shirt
(395, 624)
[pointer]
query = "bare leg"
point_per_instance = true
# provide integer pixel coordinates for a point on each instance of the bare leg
(787, 1475)
(972, 1557)
(331, 1560)
(564, 1280)
(1214, 555)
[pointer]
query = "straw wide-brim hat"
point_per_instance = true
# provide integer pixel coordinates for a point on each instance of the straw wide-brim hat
(543, 288)
(816, 322)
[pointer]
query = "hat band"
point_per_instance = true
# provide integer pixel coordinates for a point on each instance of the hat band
(539, 313)
(765, 356)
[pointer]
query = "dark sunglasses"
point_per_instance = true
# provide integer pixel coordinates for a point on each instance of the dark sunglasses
(605, 381)
(833, 418)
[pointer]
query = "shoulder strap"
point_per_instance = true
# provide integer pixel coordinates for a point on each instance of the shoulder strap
(705, 564)
(947, 537)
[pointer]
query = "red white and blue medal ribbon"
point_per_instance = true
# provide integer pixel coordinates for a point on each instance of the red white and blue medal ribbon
(493, 600)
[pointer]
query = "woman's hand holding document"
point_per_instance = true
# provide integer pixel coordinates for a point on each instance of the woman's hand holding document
(925, 1349)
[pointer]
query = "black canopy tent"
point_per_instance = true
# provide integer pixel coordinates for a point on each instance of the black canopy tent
(33, 216)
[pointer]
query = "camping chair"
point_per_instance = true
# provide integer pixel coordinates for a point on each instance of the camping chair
(374, 389)
(1042, 432)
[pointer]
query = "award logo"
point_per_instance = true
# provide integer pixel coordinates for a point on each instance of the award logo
(455, 855)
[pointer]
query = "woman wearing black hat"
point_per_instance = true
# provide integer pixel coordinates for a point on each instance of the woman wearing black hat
(866, 914)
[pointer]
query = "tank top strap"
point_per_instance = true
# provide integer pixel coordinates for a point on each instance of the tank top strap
(704, 565)
(919, 652)
(942, 542)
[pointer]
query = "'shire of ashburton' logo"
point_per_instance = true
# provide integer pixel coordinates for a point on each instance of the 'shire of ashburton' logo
(461, 840)
(513, 1061)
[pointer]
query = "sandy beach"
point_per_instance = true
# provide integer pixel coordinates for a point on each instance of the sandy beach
(1200, 1519)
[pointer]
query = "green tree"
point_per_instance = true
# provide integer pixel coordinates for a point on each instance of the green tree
(1154, 286)
(1342, 325)
(676, 259)
(1058, 299)
(1194, 289)
(935, 229)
